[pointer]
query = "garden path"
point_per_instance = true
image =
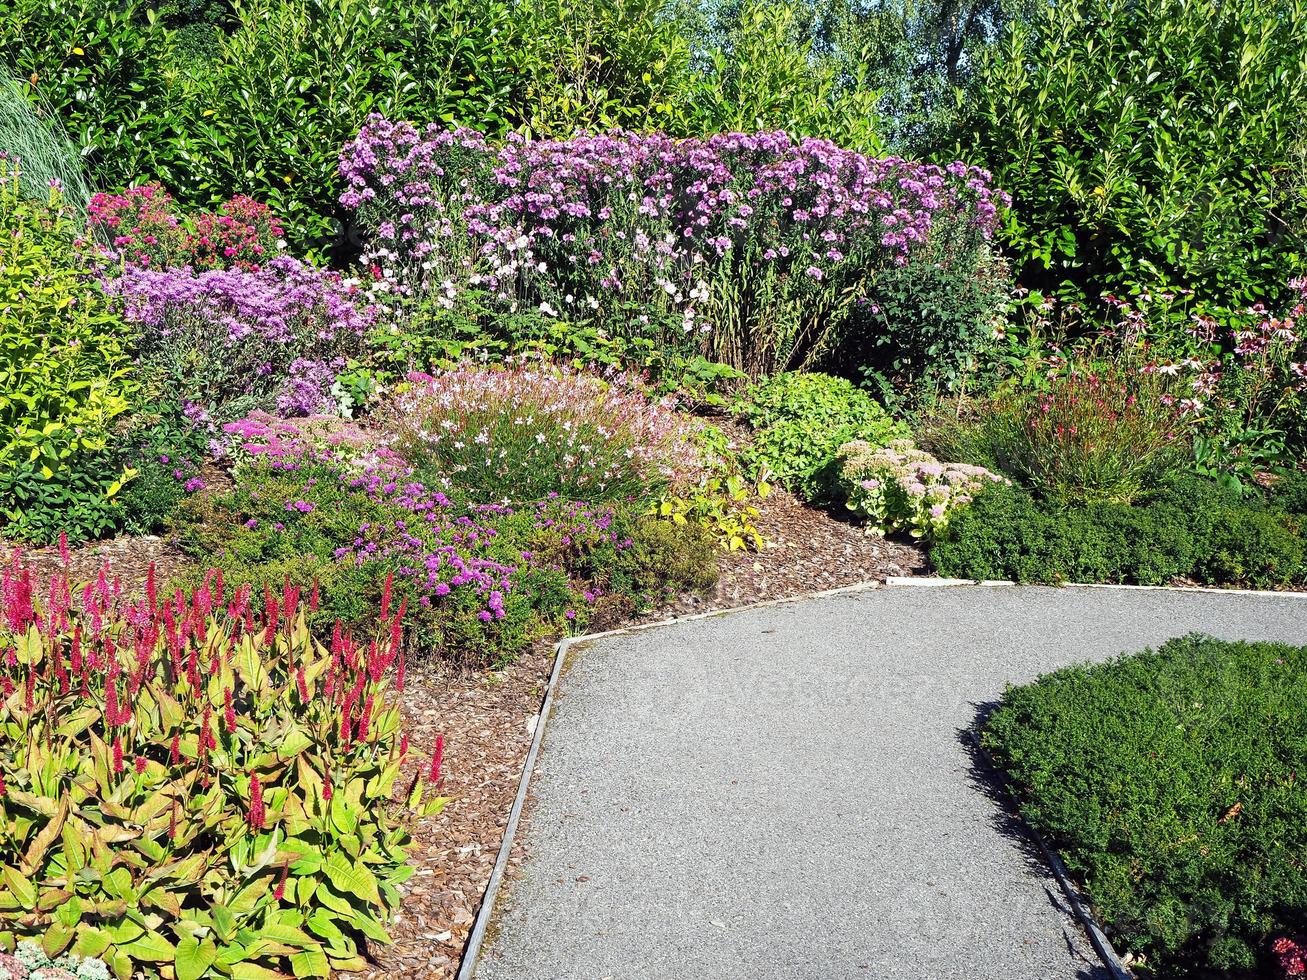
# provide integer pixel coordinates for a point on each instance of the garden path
(784, 792)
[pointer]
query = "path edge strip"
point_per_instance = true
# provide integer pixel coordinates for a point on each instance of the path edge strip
(933, 582)
(1097, 938)
(472, 951)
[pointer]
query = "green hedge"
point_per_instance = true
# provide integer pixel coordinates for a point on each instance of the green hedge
(1173, 783)
(1188, 528)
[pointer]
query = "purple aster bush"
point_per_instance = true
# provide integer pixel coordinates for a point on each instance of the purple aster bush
(228, 341)
(756, 250)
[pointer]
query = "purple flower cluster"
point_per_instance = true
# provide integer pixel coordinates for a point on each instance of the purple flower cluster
(234, 339)
(597, 224)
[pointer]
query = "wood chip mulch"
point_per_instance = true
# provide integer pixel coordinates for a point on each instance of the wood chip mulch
(488, 718)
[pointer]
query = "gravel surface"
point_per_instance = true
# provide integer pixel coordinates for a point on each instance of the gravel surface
(784, 792)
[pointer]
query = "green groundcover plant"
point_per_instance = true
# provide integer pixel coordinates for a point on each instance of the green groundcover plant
(800, 421)
(1172, 784)
(1187, 528)
(193, 785)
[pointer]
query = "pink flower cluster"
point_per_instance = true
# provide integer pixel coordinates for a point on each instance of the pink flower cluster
(526, 430)
(597, 222)
(146, 229)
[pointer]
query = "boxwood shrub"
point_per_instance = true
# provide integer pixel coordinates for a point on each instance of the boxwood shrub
(1172, 783)
(1188, 527)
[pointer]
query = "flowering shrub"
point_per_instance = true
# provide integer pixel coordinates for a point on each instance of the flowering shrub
(144, 228)
(1095, 430)
(195, 780)
(226, 341)
(1244, 377)
(528, 430)
(1291, 956)
(801, 420)
(754, 249)
(902, 488)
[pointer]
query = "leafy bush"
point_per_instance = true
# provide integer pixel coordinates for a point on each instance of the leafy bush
(1169, 782)
(194, 785)
(801, 420)
(901, 488)
(1149, 142)
(65, 375)
(224, 342)
(1188, 528)
(755, 250)
(723, 500)
(523, 432)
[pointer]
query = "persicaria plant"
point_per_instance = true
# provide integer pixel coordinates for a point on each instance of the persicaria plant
(194, 785)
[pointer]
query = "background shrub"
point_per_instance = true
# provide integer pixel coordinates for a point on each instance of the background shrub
(1148, 143)
(65, 375)
(1170, 783)
(801, 420)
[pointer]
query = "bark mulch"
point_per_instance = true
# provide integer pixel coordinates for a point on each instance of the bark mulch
(487, 718)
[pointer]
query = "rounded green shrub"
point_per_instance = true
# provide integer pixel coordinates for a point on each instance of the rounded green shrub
(801, 420)
(1171, 784)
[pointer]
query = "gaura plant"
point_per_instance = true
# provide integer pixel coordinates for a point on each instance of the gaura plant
(196, 786)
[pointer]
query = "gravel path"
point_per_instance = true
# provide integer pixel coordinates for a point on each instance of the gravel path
(783, 792)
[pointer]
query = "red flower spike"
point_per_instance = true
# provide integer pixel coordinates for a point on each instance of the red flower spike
(433, 774)
(172, 822)
(117, 754)
(326, 785)
(403, 745)
(229, 711)
(385, 595)
(175, 750)
(140, 764)
(257, 815)
(280, 891)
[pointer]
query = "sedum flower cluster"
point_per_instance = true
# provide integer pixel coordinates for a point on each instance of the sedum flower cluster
(902, 488)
